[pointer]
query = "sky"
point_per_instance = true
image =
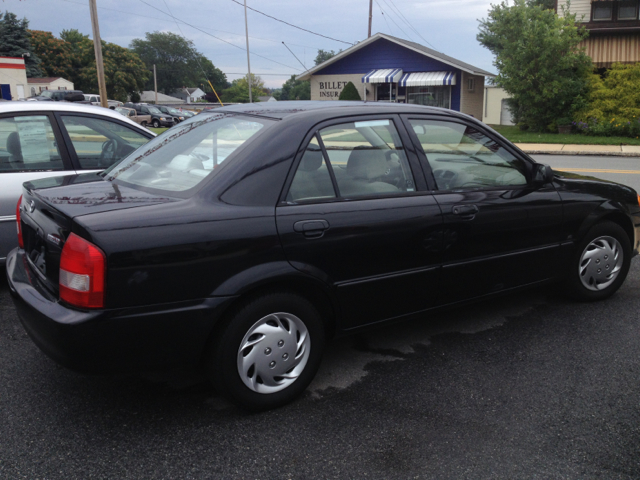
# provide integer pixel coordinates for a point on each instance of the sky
(449, 26)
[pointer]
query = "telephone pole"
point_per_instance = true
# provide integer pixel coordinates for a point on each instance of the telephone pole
(155, 82)
(370, 15)
(246, 28)
(97, 46)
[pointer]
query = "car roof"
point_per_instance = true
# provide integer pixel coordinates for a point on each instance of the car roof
(67, 107)
(284, 109)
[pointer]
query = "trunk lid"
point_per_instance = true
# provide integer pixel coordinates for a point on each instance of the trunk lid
(49, 207)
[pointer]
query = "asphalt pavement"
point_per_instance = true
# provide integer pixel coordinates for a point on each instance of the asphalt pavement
(526, 386)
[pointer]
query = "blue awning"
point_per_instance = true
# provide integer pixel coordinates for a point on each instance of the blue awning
(386, 75)
(420, 79)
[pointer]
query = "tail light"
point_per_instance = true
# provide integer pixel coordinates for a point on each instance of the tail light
(18, 225)
(82, 273)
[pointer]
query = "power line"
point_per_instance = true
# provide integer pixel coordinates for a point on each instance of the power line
(205, 28)
(394, 22)
(402, 17)
(384, 17)
(218, 38)
(292, 25)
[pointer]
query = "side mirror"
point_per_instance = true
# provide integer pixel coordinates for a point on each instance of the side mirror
(542, 174)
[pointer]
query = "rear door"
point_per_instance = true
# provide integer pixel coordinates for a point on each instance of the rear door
(96, 143)
(500, 230)
(31, 147)
(356, 214)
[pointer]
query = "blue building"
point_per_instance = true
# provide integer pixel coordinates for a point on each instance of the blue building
(389, 69)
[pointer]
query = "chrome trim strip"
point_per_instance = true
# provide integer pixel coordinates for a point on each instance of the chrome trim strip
(8, 218)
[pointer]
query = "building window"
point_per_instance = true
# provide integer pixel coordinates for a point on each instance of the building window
(430, 96)
(627, 11)
(471, 84)
(602, 11)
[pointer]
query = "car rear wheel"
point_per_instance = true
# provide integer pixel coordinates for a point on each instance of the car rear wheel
(268, 351)
(156, 124)
(601, 262)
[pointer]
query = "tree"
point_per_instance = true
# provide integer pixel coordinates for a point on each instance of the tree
(324, 55)
(55, 54)
(15, 42)
(546, 4)
(124, 72)
(294, 89)
(349, 92)
(614, 99)
(178, 63)
(73, 57)
(238, 92)
(538, 60)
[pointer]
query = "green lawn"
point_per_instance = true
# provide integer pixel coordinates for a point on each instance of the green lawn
(157, 130)
(516, 135)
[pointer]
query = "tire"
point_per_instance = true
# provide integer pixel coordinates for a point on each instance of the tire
(267, 351)
(144, 124)
(156, 123)
(600, 263)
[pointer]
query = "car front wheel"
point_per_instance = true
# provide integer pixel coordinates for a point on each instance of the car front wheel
(268, 351)
(156, 124)
(601, 262)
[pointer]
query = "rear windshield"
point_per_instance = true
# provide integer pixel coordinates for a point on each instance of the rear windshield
(186, 154)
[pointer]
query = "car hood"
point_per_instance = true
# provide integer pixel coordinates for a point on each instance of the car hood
(84, 194)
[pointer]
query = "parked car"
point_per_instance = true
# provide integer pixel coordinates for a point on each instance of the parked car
(177, 115)
(244, 249)
(187, 113)
(158, 119)
(131, 114)
(46, 139)
(60, 95)
(94, 99)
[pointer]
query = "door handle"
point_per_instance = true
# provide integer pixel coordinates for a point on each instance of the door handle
(311, 228)
(464, 210)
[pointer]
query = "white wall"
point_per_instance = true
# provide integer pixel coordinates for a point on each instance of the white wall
(582, 9)
(493, 106)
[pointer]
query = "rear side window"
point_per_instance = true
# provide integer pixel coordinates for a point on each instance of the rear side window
(187, 154)
(27, 143)
(100, 143)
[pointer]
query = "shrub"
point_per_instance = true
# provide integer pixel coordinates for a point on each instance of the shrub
(349, 92)
(615, 127)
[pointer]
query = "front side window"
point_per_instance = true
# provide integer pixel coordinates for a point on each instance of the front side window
(27, 143)
(100, 143)
(462, 157)
(192, 151)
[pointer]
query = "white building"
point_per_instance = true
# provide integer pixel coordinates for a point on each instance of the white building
(37, 85)
(149, 96)
(496, 111)
(13, 78)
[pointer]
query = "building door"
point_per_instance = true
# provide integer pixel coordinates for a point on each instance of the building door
(5, 91)
(20, 91)
(506, 118)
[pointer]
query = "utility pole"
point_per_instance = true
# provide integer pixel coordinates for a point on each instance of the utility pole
(155, 82)
(370, 15)
(97, 46)
(246, 28)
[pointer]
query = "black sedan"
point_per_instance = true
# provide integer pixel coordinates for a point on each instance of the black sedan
(243, 238)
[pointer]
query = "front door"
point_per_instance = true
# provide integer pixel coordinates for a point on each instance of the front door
(500, 230)
(356, 215)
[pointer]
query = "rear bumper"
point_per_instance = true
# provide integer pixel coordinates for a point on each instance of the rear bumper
(120, 340)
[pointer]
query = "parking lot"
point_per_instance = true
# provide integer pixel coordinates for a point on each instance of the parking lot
(526, 386)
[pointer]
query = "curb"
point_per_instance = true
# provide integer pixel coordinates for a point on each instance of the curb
(596, 154)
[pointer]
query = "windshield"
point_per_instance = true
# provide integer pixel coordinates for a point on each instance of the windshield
(47, 94)
(184, 156)
(173, 111)
(154, 110)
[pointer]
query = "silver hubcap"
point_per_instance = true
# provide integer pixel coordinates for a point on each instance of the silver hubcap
(273, 353)
(600, 263)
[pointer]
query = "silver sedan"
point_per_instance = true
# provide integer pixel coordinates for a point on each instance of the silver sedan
(50, 139)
